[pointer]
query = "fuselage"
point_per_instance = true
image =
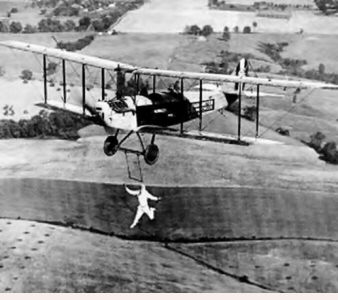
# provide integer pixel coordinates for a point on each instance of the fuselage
(165, 108)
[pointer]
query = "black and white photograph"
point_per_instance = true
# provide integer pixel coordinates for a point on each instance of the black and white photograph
(168, 146)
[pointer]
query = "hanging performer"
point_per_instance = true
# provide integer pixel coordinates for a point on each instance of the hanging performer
(143, 208)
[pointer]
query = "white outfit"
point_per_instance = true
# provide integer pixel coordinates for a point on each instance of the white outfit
(143, 208)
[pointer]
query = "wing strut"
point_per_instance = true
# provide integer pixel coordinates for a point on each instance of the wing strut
(102, 83)
(45, 78)
(137, 84)
(239, 111)
(83, 88)
(257, 111)
(154, 84)
(64, 81)
(182, 95)
(200, 104)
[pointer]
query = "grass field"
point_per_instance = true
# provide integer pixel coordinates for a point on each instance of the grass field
(244, 239)
(33, 260)
(209, 163)
(286, 266)
(189, 214)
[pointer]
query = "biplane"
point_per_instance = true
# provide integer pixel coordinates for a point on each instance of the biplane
(153, 111)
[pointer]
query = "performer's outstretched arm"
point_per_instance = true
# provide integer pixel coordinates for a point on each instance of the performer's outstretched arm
(132, 192)
(152, 197)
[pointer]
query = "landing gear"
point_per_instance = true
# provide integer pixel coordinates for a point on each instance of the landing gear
(110, 145)
(150, 153)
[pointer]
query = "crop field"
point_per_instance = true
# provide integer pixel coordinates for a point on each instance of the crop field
(34, 260)
(231, 239)
(155, 16)
(286, 266)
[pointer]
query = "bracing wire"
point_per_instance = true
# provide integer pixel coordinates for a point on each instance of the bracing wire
(33, 82)
(287, 112)
(90, 78)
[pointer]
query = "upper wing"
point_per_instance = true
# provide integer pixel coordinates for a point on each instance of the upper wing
(237, 79)
(108, 64)
(67, 55)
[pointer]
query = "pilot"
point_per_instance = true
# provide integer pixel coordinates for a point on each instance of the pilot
(171, 88)
(144, 89)
(177, 86)
(143, 208)
(242, 70)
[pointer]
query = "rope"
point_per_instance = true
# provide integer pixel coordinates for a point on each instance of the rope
(139, 166)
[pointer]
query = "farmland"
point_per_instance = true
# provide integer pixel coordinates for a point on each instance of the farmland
(232, 218)
(155, 16)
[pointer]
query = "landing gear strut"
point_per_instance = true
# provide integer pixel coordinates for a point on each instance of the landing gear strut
(150, 153)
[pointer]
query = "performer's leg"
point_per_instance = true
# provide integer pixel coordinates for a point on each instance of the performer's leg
(138, 216)
(150, 212)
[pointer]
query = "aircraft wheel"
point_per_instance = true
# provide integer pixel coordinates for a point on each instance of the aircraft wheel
(151, 154)
(110, 145)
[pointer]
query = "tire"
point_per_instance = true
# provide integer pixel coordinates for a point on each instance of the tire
(110, 145)
(151, 154)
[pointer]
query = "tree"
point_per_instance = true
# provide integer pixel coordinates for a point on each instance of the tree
(15, 27)
(236, 29)
(316, 141)
(195, 30)
(327, 6)
(69, 25)
(29, 29)
(283, 131)
(254, 25)
(98, 25)
(51, 68)
(2, 71)
(84, 23)
(330, 153)
(50, 25)
(321, 69)
(250, 113)
(226, 34)
(3, 27)
(26, 74)
(207, 30)
(247, 29)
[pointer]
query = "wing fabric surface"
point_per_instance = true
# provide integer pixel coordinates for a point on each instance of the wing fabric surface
(112, 65)
(67, 55)
(58, 105)
(237, 79)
